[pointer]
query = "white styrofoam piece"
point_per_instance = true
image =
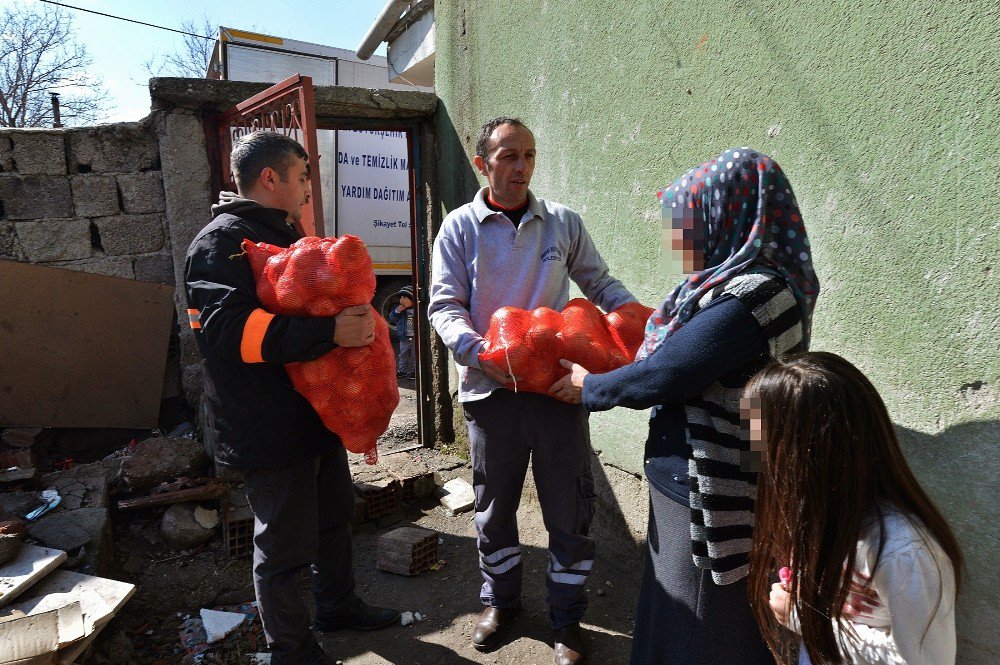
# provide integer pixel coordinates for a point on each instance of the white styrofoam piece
(219, 624)
(458, 496)
(29, 565)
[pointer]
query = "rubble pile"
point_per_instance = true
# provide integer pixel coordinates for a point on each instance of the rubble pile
(148, 526)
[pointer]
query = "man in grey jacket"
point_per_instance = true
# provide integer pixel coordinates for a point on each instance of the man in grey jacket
(509, 248)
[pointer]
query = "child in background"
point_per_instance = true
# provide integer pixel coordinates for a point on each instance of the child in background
(402, 318)
(872, 566)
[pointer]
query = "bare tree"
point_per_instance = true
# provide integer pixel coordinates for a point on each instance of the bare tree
(39, 54)
(191, 60)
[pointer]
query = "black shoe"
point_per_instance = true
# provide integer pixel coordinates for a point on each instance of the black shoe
(492, 623)
(315, 656)
(360, 616)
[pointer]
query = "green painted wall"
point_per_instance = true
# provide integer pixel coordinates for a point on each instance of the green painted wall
(884, 115)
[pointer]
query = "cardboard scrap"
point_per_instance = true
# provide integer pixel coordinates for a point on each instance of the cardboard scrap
(30, 637)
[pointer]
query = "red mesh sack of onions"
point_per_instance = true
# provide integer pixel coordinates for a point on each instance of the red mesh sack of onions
(353, 390)
(530, 344)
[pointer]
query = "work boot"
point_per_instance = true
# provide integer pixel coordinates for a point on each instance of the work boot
(493, 621)
(569, 645)
(359, 615)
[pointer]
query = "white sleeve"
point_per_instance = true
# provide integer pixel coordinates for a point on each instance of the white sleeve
(919, 592)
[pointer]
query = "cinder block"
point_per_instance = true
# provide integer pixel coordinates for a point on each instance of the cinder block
(414, 475)
(157, 268)
(35, 197)
(130, 234)
(10, 246)
(55, 239)
(6, 152)
(381, 496)
(99, 264)
(95, 195)
(407, 551)
(119, 148)
(360, 511)
(237, 524)
(39, 152)
(142, 192)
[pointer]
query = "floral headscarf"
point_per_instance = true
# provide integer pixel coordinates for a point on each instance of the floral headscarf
(751, 221)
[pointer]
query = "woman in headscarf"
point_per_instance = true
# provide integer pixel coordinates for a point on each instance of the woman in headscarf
(736, 230)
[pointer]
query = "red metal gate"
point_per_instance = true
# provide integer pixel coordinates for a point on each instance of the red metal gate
(285, 107)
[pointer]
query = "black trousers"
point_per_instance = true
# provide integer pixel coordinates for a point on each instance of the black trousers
(683, 617)
(302, 519)
(506, 430)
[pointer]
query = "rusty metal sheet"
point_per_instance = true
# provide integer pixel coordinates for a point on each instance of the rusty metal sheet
(81, 350)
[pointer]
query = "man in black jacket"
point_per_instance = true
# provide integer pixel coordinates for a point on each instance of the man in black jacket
(297, 478)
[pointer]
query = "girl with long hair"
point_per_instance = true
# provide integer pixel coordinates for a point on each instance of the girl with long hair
(869, 566)
(736, 230)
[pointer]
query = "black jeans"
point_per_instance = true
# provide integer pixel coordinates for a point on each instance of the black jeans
(302, 517)
(506, 430)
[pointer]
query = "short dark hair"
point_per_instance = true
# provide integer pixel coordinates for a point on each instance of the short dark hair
(256, 151)
(483, 140)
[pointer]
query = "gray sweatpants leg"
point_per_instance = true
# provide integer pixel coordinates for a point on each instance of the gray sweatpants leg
(506, 430)
(302, 518)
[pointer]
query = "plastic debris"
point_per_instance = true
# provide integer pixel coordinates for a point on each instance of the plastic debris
(51, 499)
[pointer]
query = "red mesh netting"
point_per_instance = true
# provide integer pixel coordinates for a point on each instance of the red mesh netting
(353, 390)
(530, 344)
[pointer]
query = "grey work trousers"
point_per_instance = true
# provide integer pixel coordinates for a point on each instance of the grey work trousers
(302, 517)
(507, 429)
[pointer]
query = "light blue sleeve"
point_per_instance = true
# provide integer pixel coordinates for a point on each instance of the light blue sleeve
(451, 291)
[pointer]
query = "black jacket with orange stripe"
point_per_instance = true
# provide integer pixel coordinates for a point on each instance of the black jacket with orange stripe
(256, 418)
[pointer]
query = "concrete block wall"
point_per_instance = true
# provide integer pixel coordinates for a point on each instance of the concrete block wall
(89, 199)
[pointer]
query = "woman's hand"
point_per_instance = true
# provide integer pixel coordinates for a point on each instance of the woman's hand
(570, 387)
(781, 603)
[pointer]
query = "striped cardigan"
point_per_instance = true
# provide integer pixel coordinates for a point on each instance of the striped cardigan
(722, 474)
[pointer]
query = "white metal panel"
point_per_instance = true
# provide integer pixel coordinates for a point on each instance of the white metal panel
(235, 36)
(411, 54)
(249, 63)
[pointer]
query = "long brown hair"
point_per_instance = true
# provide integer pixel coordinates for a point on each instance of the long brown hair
(830, 460)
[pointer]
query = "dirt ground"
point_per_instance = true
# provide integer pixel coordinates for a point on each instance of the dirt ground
(174, 586)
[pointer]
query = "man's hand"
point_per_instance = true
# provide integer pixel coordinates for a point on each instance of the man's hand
(570, 387)
(355, 326)
(494, 371)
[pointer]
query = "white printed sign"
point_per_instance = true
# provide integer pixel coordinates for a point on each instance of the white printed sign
(373, 187)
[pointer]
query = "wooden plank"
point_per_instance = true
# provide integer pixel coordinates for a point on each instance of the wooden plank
(81, 350)
(99, 598)
(30, 565)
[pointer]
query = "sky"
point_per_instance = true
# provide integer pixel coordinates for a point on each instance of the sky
(119, 49)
